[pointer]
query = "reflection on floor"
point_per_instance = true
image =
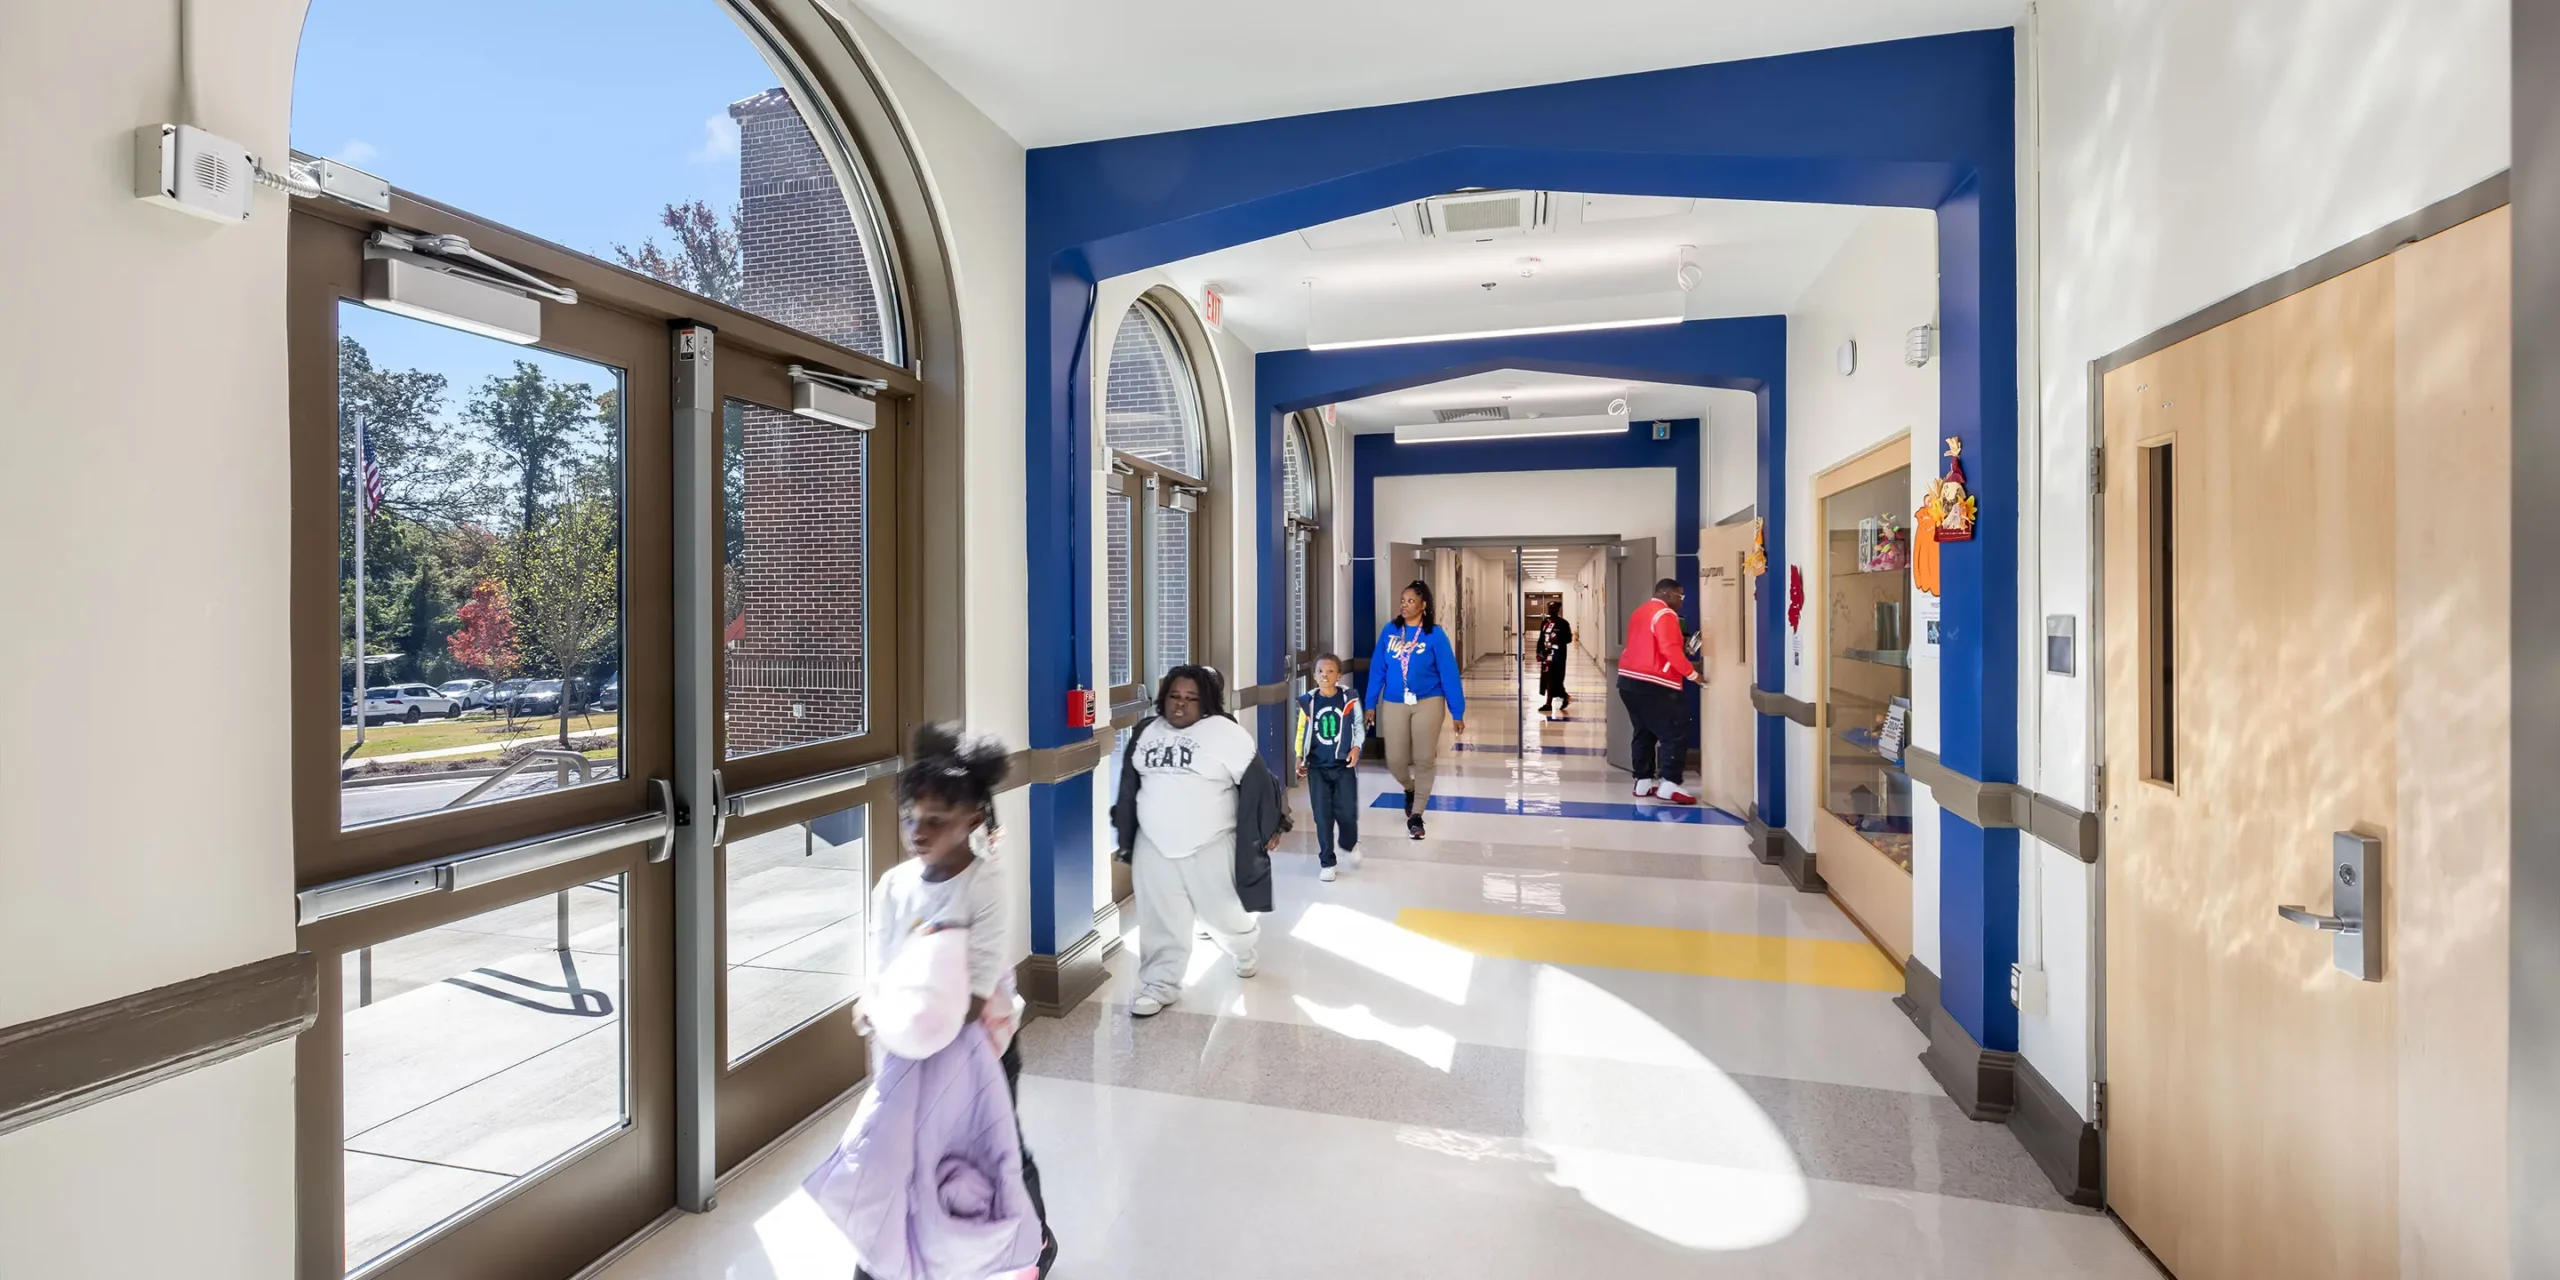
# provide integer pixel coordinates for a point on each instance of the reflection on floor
(1534, 1045)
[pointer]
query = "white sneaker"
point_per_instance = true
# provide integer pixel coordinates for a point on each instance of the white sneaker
(1644, 786)
(1351, 859)
(1672, 794)
(1325, 875)
(1248, 968)
(1145, 1007)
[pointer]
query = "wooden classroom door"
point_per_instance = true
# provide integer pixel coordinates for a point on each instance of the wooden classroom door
(1725, 740)
(2304, 570)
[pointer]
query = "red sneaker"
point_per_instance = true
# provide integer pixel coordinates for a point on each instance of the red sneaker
(1672, 794)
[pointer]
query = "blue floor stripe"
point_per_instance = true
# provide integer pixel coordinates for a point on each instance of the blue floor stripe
(1687, 815)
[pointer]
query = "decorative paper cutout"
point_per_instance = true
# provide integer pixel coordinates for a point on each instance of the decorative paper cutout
(1757, 563)
(1955, 511)
(1924, 546)
(1795, 596)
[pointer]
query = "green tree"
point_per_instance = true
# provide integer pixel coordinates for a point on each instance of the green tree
(539, 429)
(429, 470)
(564, 587)
(707, 257)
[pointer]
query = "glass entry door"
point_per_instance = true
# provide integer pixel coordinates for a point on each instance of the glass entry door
(478, 817)
(805, 736)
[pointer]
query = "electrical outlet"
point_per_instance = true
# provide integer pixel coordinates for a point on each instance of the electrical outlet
(2026, 989)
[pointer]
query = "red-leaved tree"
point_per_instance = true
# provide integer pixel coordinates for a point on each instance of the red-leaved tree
(487, 637)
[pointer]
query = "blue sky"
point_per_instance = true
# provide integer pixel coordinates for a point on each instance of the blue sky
(572, 120)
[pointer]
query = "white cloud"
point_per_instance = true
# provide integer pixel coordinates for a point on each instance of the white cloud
(719, 139)
(355, 151)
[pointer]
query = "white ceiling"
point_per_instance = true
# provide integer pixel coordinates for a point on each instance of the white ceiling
(1598, 251)
(1527, 396)
(1050, 72)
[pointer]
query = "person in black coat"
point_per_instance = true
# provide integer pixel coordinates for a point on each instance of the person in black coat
(1196, 818)
(1555, 642)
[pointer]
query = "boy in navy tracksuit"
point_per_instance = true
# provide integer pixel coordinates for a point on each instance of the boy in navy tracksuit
(1331, 728)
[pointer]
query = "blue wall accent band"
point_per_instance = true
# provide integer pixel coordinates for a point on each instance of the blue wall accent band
(1687, 815)
(1924, 123)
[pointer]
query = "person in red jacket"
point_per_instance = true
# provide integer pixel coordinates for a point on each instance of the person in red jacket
(1652, 671)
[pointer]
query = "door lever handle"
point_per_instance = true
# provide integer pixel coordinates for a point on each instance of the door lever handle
(2355, 886)
(2308, 918)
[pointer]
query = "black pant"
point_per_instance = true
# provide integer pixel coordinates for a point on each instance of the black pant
(1661, 718)
(1333, 795)
(1551, 684)
(1030, 1172)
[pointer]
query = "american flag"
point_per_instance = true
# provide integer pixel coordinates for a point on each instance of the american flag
(372, 481)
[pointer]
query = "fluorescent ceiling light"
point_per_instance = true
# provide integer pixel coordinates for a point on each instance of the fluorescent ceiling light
(1527, 331)
(1512, 429)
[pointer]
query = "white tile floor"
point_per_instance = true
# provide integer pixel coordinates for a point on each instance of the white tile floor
(1375, 1103)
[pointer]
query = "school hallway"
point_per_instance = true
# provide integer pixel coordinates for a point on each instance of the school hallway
(1566, 1034)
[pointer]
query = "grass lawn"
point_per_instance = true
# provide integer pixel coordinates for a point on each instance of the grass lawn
(470, 731)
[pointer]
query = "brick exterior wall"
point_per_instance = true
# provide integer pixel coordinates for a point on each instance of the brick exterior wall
(798, 673)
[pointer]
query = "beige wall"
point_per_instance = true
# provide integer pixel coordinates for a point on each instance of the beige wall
(145, 444)
(975, 173)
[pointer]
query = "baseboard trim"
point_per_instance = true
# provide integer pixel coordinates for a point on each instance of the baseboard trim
(1762, 847)
(1053, 984)
(1983, 1082)
(2065, 1145)
(1798, 863)
(1919, 996)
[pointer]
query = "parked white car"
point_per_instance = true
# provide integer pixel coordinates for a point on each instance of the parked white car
(407, 702)
(472, 694)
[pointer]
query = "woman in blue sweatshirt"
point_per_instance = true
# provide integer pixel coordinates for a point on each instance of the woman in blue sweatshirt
(1414, 689)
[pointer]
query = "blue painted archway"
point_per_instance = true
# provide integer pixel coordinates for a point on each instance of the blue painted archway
(1924, 123)
(1747, 354)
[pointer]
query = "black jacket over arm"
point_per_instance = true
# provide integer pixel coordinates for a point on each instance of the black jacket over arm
(1262, 813)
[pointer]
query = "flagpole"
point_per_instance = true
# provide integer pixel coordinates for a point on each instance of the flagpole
(363, 517)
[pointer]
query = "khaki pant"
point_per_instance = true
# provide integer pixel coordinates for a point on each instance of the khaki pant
(1413, 734)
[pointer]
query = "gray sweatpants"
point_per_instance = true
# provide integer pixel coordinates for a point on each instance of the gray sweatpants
(1172, 894)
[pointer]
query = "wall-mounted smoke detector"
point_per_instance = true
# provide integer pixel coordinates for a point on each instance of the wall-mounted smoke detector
(1920, 345)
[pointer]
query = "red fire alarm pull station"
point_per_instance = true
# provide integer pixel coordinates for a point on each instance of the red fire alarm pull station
(1081, 706)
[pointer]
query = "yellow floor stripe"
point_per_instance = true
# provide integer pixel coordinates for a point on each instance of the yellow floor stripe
(1819, 962)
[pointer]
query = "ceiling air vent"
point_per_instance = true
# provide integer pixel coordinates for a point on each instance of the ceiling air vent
(1490, 413)
(1484, 215)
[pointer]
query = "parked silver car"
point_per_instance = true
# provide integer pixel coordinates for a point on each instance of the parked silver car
(472, 694)
(407, 702)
